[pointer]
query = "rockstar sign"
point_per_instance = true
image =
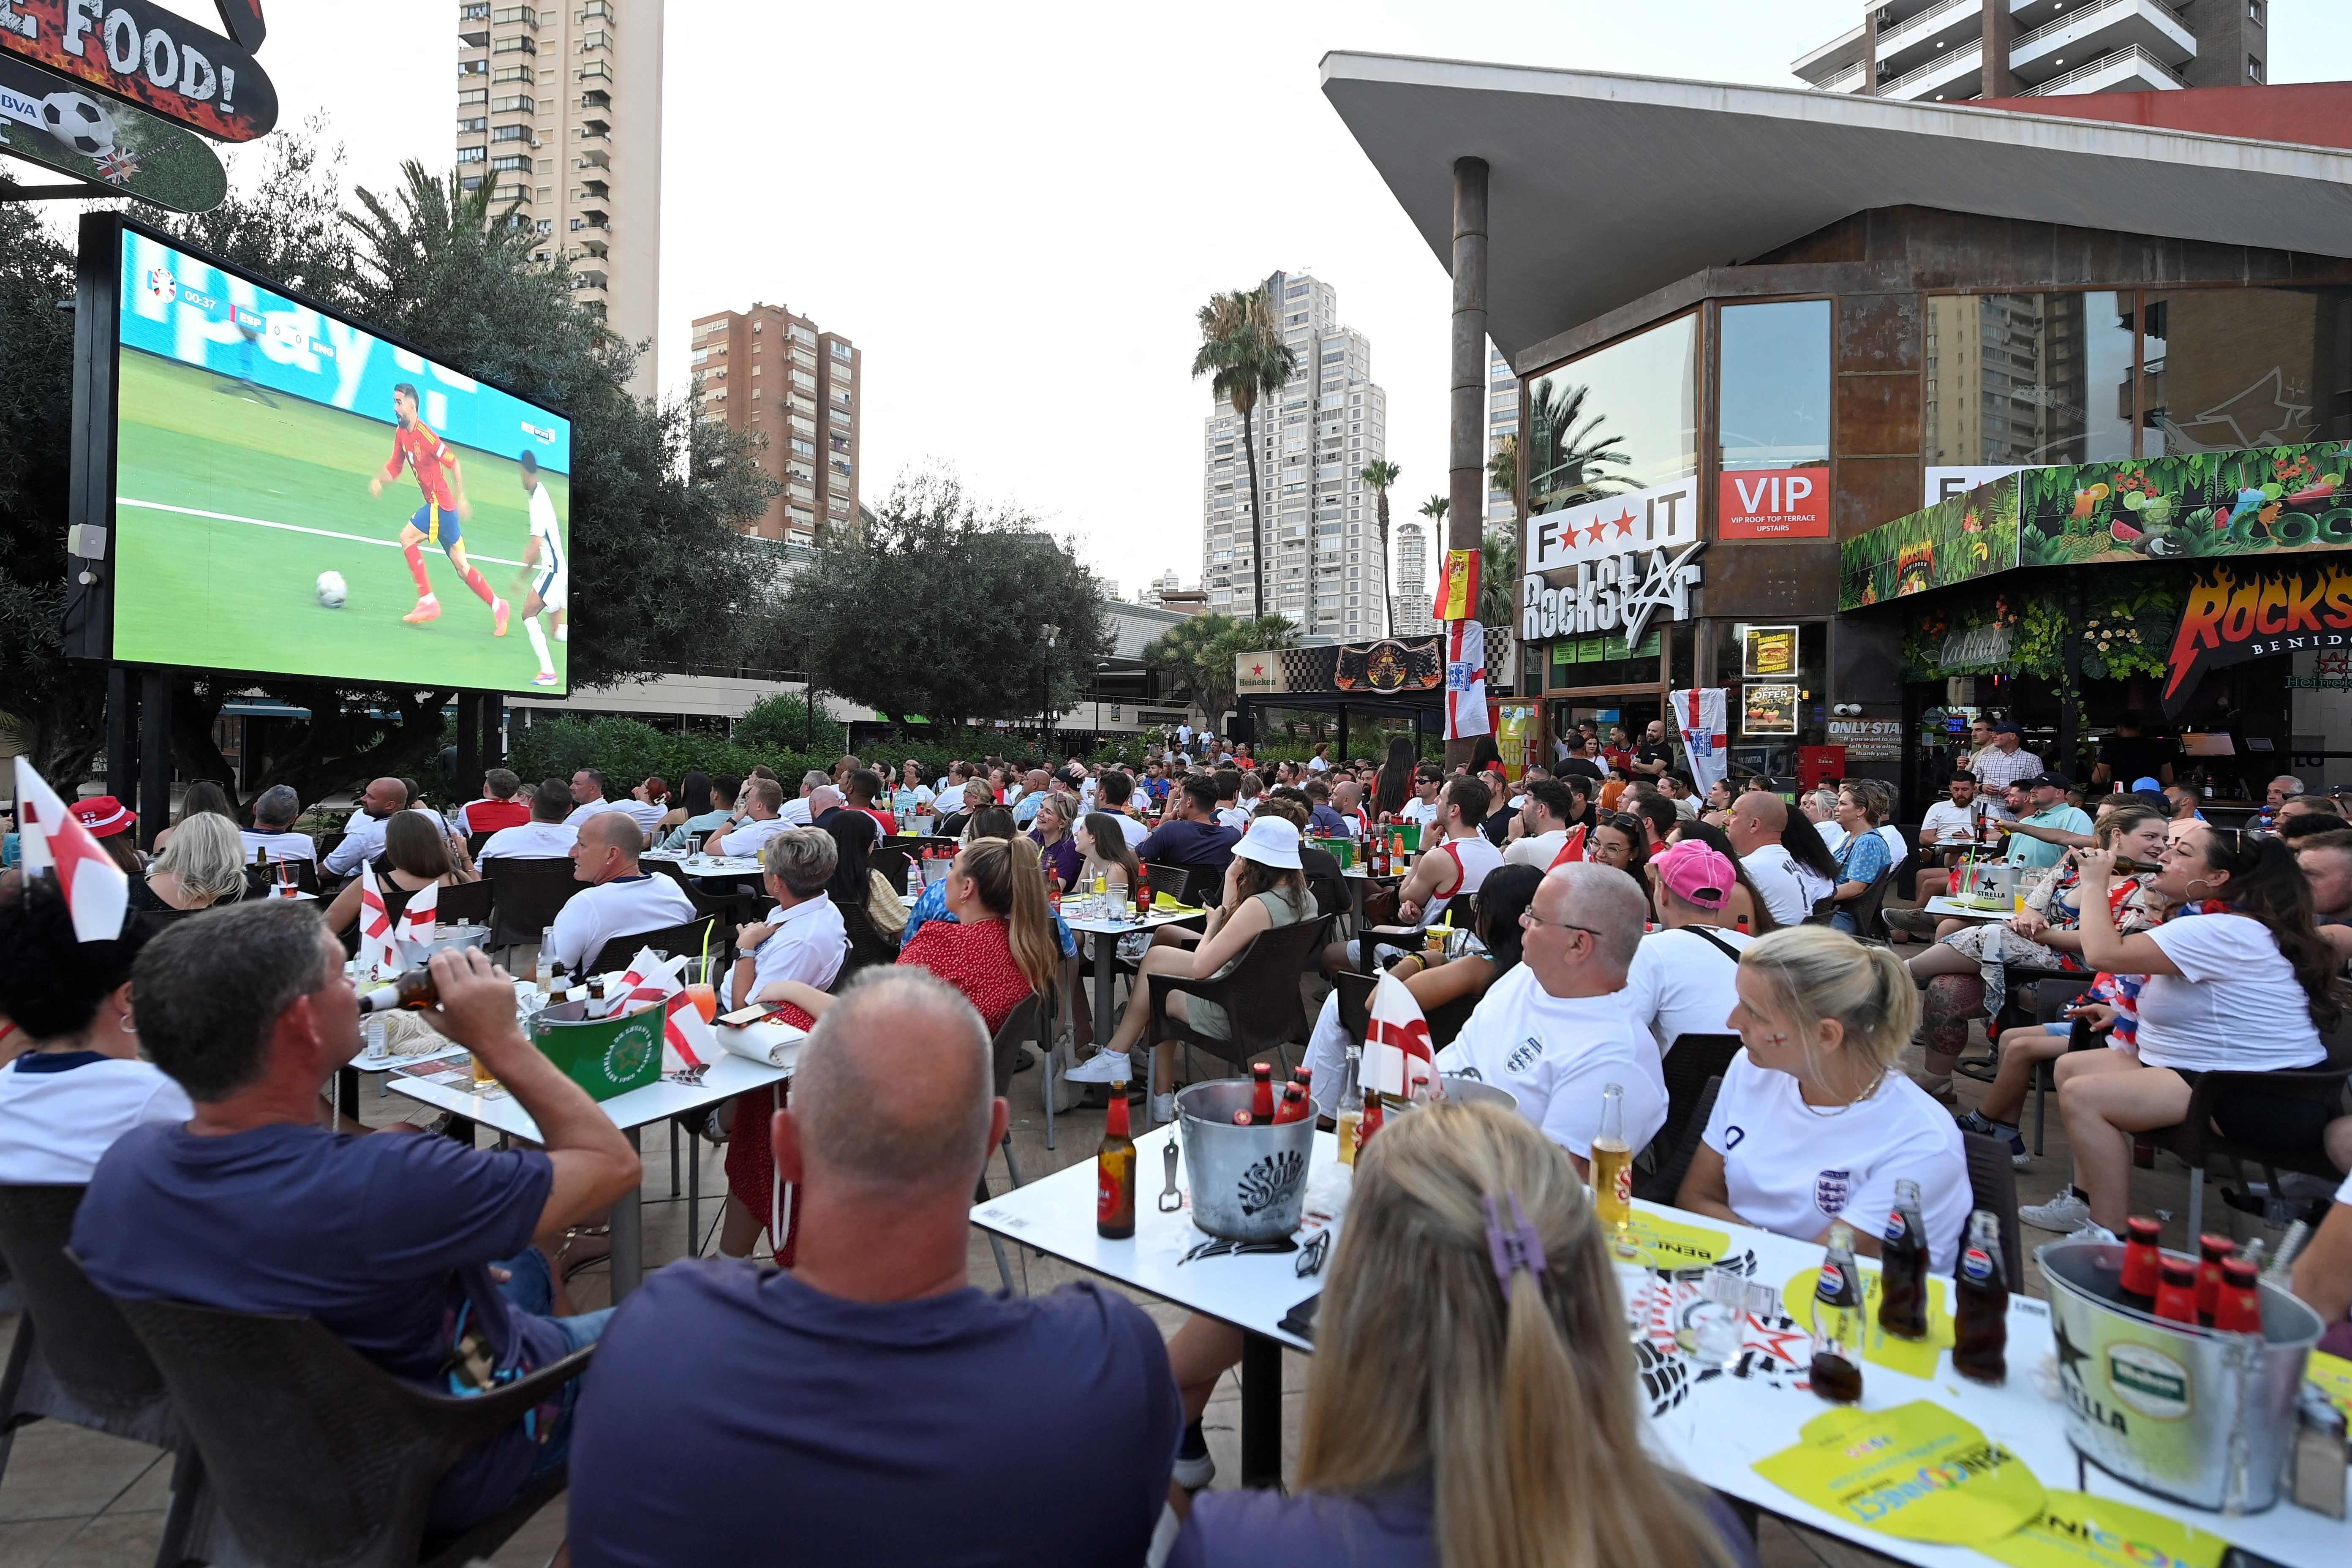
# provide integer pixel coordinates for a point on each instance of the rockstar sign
(1614, 593)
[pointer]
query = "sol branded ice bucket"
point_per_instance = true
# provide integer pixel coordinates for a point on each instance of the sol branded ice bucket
(607, 1056)
(2191, 1413)
(1249, 1184)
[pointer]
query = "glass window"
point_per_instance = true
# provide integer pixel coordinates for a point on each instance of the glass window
(1775, 385)
(1623, 417)
(2226, 368)
(2028, 379)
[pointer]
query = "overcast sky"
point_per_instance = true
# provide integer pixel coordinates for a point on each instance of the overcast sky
(1015, 210)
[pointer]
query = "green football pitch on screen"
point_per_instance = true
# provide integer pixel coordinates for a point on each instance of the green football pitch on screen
(231, 500)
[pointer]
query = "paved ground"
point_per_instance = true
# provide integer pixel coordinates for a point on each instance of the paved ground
(72, 1498)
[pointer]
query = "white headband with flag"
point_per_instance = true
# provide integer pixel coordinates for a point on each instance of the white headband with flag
(1397, 1050)
(96, 890)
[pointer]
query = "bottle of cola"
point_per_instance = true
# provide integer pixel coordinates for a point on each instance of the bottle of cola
(1980, 1309)
(1836, 1373)
(1903, 1268)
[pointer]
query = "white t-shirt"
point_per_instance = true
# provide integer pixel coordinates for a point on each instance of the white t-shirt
(794, 813)
(1234, 817)
(1782, 882)
(755, 831)
(1948, 821)
(807, 946)
(581, 814)
(1422, 811)
(282, 846)
(530, 840)
(1136, 831)
(60, 1110)
(1833, 837)
(618, 908)
(1539, 851)
(2235, 1003)
(1556, 1054)
(1897, 851)
(1680, 985)
(1791, 1168)
(646, 815)
(1318, 765)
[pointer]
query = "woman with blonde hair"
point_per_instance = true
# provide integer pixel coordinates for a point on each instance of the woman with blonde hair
(1473, 1401)
(204, 866)
(1813, 1123)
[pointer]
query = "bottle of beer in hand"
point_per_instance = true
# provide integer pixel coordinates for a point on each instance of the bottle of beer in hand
(1114, 1172)
(1980, 1309)
(1836, 1373)
(413, 990)
(1612, 1168)
(1903, 1268)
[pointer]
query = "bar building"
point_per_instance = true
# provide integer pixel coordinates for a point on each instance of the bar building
(1756, 403)
(781, 376)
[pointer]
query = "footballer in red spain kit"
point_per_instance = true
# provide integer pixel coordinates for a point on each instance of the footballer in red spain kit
(440, 520)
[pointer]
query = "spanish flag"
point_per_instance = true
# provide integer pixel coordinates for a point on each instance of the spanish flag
(1457, 587)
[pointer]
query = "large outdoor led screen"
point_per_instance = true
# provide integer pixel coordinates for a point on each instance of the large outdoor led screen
(284, 480)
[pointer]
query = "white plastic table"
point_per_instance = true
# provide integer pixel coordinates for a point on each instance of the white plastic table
(1104, 934)
(728, 1076)
(711, 867)
(1713, 1424)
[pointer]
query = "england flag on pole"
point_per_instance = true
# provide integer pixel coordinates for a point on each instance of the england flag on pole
(1699, 715)
(1466, 680)
(94, 889)
(1397, 1050)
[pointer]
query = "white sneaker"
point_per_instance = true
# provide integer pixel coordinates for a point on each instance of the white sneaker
(1163, 1107)
(1103, 1067)
(2065, 1214)
(2087, 1231)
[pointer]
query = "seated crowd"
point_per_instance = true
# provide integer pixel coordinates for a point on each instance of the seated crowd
(1466, 1398)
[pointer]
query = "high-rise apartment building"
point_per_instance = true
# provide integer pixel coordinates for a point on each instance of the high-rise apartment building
(1324, 569)
(1951, 50)
(1502, 427)
(1411, 615)
(808, 411)
(560, 109)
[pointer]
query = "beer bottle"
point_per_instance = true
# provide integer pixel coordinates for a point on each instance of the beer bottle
(2212, 1251)
(261, 861)
(413, 990)
(1304, 1076)
(1980, 1305)
(1903, 1268)
(1373, 1120)
(1836, 1372)
(1612, 1168)
(1294, 1106)
(2130, 867)
(1114, 1172)
(2175, 1293)
(2142, 1263)
(1261, 1093)
(1347, 1111)
(2238, 1303)
(559, 984)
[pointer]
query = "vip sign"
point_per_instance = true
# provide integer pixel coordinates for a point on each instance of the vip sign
(1773, 503)
(1612, 594)
(1665, 516)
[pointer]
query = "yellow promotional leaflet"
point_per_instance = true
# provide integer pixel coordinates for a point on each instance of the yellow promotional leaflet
(1918, 1471)
(2334, 1374)
(2077, 1531)
(1915, 1358)
(1662, 1243)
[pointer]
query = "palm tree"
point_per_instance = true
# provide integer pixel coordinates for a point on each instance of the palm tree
(1567, 459)
(1503, 469)
(1379, 473)
(1497, 577)
(1242, 354)
(1435, 509)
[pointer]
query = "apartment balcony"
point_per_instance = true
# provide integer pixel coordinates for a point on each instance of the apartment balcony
(2100, 31)
(2131, 69)
(1920, 40)
(1956, 74)
(475, 40)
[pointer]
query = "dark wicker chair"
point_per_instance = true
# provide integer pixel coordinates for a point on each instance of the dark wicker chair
(1692, 1062)
(1665, 1184)
(1356, 1002)
(867, 946)
(257, 883)
(1182, 883)
(891, 860)
(75, 1359)
(314, 1456)
(1992, 1186)
(687, 938)
(526, 895)
(474, 842)
(466, 902)
(2197, 1141)
(1020, 1027)
(1260, 997)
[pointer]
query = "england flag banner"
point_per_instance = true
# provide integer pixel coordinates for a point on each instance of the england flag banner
(1700, 716)
(96, 890)
(379, 953)
(1398, 1056)
(1466, 680)
(686, 1041)
(417, 922)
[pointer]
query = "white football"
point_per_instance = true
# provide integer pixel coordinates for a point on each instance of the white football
(79, 120)
(332, 590)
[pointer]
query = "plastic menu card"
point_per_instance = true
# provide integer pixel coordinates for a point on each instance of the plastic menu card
(2077, 1531)
(1918, 1471)
(1915, 1357)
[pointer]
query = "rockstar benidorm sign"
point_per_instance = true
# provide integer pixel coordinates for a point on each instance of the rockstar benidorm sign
(1612, 594)
(2234, 614)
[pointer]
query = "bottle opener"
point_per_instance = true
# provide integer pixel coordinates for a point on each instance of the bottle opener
(1171, 1199)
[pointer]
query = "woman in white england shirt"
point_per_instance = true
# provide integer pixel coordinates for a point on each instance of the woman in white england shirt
(2247, 988)
(1814, 1123)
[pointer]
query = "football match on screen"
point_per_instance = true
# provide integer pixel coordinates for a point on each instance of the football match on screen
(296, 495)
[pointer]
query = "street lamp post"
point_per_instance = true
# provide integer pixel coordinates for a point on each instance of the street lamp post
(1053, 635)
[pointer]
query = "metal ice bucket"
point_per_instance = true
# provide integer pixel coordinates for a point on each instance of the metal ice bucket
(414, 953)
(1249, 1184)
(2191, 1413)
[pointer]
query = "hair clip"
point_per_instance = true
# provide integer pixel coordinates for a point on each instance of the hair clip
(1512, 1250)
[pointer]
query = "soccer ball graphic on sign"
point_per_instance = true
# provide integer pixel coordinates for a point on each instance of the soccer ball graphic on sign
(333, 591)
(80, 121)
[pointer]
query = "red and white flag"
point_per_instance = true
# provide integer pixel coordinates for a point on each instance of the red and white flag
(378, 953)
(416, 920)
(94, 889)
(686, 1040)
(1397, 1050)
(1466, 680)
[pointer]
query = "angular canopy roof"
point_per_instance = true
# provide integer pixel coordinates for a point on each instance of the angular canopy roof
(1602, 188)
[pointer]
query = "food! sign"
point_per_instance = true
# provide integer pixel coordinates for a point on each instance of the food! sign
(142, 54)
(2231, 618)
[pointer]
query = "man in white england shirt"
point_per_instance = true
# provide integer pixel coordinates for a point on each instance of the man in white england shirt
(1556, 1030)
(1754, 828)
(588, 797)
(620, 899)
(551, 572)
(363, 831)
(1550, 824)
(1684, 979)
(797, 812)
(544, 836)
(762, 799)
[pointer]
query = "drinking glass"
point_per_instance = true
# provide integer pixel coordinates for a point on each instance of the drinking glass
(1633, 1285)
